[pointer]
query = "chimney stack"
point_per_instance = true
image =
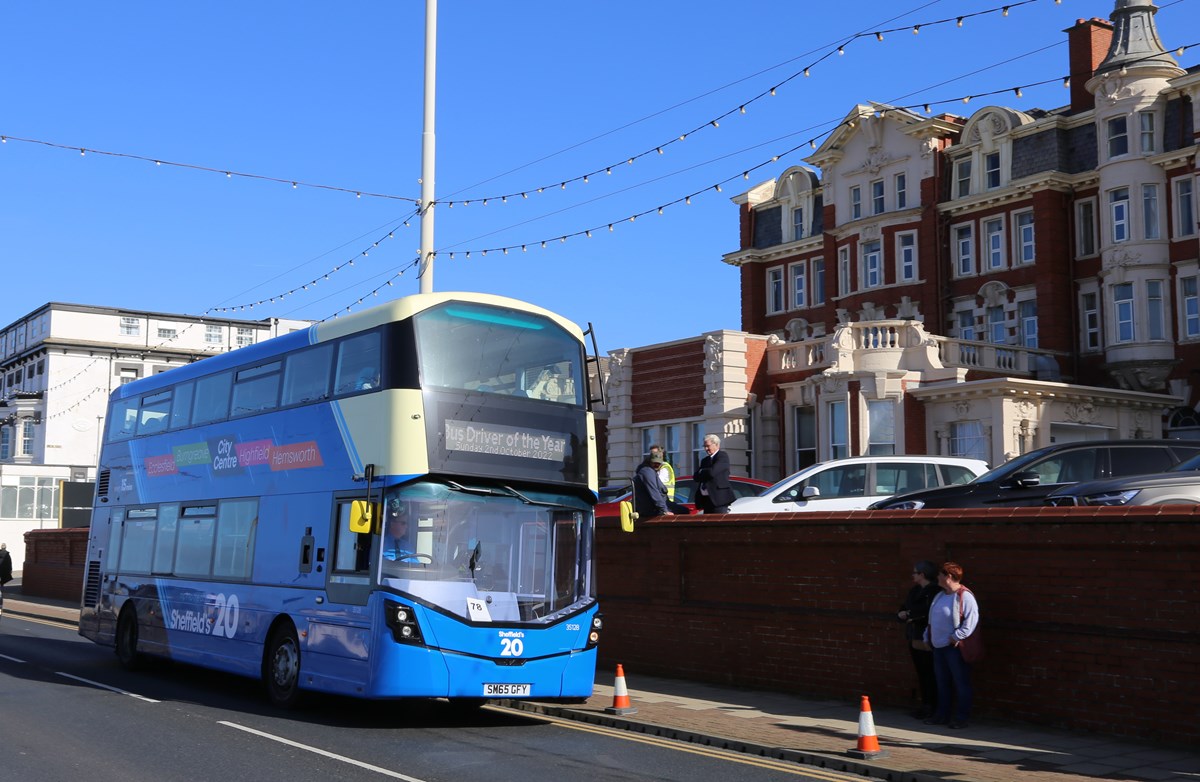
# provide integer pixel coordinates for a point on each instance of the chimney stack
(1088, 41)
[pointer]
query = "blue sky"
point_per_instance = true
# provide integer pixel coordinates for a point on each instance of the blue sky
(530, 94)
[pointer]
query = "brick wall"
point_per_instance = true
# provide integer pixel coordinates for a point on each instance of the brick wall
(54, 563)
(668, 382)
(1091, 616)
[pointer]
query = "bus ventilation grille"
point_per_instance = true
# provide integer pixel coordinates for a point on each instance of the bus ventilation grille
(91, 586)
(102, 484)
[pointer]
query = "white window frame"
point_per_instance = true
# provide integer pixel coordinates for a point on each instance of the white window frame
(1124, 313)
(1087, 240)
(872, 263)
(28, 437)
(993, 243)
(844, 281)
(130, 327)
(962, 178)
(997, 325)
(968, 439)
(1156, 310)
(804, 438)
(837, 438)
(1117, 137)
(1146, 133)
(797, 223)
(798, 276)
(964, 325)
(1027, 322)
(885, 445)
(906, 256)
(213, 335)
(165, 333)
(1118, 213)
(1024, 237)
(818, 281)
(775, 293)
(1184, 189)
(992, 175)
(1189, 304)
(878, 197)
(696, 430)
(1091, 336)
(900, 187)
(964, 250)
(1151, 214)
(856, 202)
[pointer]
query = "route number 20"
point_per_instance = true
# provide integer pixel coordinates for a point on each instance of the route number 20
(511, 647)
(225, 625)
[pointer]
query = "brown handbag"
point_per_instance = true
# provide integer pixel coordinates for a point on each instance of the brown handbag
(971, 647)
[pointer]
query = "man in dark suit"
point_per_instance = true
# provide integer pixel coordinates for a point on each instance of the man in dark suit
(713, 492)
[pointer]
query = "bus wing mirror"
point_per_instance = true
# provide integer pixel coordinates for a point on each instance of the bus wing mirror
(628, 516)
(363, 516)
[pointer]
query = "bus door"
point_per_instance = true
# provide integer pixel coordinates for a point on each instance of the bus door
(348, 580)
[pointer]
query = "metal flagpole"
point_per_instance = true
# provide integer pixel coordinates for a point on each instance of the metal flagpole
(425, 272)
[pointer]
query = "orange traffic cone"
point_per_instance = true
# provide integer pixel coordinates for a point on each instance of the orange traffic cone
(868, 742)
(620, 695)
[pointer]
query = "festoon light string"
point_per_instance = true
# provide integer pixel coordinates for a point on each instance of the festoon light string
(561, 185)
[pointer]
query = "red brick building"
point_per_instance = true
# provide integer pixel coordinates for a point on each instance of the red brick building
(973, 285)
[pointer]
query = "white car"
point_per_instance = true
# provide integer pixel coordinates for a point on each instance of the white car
(856, 482)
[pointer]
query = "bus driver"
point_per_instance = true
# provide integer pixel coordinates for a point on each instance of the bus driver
(397, 546)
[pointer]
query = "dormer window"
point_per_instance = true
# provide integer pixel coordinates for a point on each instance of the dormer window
(798, 231)
(798, 198)
(991, 170)
(962, 178)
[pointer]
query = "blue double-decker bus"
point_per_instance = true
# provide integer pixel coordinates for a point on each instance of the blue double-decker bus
(248, 508)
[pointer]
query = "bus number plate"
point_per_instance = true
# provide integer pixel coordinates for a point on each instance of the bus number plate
(506, 690)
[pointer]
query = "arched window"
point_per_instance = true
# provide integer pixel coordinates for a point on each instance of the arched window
(1183, 423)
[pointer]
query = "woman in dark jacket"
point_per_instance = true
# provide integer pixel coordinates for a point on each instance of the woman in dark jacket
(915, 614)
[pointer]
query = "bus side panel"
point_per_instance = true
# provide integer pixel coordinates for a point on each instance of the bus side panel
(97, 620)
(284, 521)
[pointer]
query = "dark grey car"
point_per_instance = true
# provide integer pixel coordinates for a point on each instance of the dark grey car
(1028, 479)
(1179, 486)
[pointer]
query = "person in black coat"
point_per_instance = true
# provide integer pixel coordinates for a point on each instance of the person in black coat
(649, 493)
(714, 492)
(914, 612)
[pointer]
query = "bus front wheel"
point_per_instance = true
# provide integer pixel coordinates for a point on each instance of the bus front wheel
(127, 640)
(281, 667)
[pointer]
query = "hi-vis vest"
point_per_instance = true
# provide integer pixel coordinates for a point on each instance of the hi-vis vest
(666, 474)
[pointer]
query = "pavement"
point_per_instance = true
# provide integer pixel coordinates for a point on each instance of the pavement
(822, 733)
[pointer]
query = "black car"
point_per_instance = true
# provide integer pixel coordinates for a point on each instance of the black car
(1027, 479)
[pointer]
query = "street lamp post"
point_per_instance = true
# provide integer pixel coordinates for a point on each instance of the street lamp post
(425, 271)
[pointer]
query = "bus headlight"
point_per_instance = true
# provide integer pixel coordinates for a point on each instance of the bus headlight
(403, 623)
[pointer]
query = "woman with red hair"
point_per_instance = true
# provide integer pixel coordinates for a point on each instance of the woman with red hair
(953, 616)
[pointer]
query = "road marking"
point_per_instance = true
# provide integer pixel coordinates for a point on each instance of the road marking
(713, 752)
(306, 748)
(14, 659)
(110, 688)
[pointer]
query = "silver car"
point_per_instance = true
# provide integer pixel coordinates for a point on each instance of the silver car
(1179, 486)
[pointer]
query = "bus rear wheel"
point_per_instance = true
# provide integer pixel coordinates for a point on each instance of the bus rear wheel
(127, 640)
(281, 667)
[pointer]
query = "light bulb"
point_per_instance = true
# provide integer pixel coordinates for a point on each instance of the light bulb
(960, 21)
(878, 36)
(916, 29)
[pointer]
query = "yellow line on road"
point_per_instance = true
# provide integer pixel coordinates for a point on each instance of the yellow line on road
(712, 752)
